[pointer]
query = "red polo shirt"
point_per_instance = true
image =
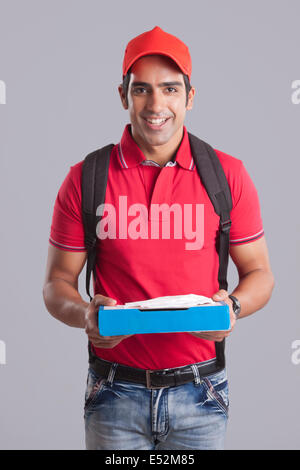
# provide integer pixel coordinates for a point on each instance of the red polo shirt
(157, 237)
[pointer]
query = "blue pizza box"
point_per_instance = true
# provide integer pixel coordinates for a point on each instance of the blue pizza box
(113, 321)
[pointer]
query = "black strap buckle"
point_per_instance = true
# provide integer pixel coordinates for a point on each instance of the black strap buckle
(225, 225)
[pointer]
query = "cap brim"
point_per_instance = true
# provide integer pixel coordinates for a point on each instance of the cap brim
(155, 52)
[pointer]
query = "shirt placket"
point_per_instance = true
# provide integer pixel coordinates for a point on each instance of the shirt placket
(162, 194)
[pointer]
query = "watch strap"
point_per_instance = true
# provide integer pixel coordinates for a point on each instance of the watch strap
(236, 305)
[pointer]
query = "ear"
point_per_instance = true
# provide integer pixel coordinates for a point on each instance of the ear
(123, 97)
(191, 98)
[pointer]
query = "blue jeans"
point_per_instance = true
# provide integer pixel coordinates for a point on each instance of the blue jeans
(123, 415)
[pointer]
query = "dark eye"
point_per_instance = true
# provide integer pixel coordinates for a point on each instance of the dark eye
(171, 88)
(139, 90)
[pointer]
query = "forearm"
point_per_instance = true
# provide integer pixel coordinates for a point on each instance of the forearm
(64, 302)
(254, 291)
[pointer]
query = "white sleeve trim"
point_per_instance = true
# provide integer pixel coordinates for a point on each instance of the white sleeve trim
(246, 238)
(68, 246)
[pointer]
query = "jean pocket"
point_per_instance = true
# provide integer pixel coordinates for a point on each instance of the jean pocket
(94, 386)
(217, 390)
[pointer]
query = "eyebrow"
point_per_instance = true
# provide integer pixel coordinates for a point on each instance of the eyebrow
(163, 84)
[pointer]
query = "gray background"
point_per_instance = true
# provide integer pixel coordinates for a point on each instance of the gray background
(61, 62)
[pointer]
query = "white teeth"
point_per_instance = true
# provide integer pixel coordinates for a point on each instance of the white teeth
(156, 121)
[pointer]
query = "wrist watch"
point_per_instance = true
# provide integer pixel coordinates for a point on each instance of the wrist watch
(236, 306)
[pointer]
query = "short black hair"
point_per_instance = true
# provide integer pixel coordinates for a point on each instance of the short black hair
(126, 79)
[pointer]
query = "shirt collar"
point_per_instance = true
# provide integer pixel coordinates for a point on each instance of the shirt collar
(130, 155)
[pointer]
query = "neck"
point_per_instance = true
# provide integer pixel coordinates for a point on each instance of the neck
(160, 154)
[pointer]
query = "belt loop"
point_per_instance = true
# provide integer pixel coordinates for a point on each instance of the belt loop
(196, 374)
(111, 374)
(176, 376)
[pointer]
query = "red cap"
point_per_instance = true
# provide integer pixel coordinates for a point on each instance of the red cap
(158, 41)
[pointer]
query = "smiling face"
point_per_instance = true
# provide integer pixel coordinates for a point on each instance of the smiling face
(156, 101)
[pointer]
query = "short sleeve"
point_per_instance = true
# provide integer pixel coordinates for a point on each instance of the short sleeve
(67, 231)
(247, 225)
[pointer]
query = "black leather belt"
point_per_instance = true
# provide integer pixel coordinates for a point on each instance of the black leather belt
(154, 379)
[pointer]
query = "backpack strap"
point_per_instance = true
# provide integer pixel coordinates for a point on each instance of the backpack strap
(93, 189)
(214, 180)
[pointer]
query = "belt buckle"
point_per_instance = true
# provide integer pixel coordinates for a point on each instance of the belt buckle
(148, 380)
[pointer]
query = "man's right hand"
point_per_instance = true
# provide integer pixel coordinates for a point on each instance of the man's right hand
(91, 324)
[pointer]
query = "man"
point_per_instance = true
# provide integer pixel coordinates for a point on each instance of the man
(153, 164)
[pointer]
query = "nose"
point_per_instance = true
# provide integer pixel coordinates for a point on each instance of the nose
(156, 102)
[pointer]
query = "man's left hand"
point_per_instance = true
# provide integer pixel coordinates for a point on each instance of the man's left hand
(221, 295)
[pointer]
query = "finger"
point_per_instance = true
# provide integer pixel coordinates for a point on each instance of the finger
(100, 343)
(116, 337)
(214, 336)
(92, 310)
(211, 334)
(92, 313)
(103, 341)
(102, 300)
(222, 294)
(103, 345)
(91, 319)
(206, 336)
